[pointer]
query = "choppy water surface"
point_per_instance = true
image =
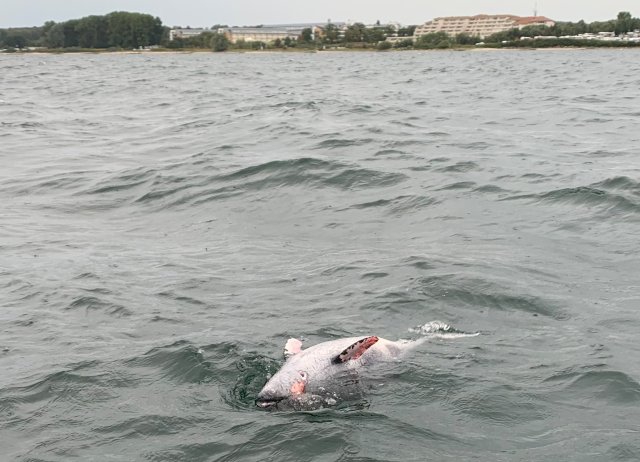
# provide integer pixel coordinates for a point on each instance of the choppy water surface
(168, 221)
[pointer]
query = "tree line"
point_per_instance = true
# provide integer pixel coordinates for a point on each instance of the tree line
(119, 29)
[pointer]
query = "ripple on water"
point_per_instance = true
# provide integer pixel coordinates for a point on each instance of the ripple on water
(612, 197)
(502, 405)
(91, 303)
(460, 167)
(122, 182)
(335, 143)
(180, 362)
(458, 185)
(307, 172)
(398, 206)
(622, 183)
(605, 386)
(253, 372)
(624, 451)
(464, 292)
(82, 382)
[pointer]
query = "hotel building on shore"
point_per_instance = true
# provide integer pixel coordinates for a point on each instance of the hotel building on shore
(482, 25)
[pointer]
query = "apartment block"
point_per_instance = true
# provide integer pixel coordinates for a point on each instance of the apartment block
(481, 25)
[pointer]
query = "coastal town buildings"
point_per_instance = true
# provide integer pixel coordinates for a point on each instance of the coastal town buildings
(271, 33)
(633, 37)
(481, 25)
(251, 34)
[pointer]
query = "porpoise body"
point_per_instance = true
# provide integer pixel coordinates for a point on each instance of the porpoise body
(326, 373)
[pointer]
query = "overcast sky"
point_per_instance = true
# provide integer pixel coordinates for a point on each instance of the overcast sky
(251, 12)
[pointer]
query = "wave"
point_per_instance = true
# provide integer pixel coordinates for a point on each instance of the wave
(458, 185)
(77, 382)
(334, 143)
(612, 386)
(465, 293)
(91, 303)
(398, 205)
(269, 176)
(620, 183)
(172, 186)
(117, 401)
(180, 362)
(611, 196)
(502, 405)
(460, 167)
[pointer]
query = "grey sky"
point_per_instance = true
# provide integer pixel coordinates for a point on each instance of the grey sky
(250, 12)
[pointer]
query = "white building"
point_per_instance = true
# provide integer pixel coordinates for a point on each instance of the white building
(179, 33)
(268, 33)
(481, 25)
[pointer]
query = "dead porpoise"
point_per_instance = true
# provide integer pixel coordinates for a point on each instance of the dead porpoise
(326, 373)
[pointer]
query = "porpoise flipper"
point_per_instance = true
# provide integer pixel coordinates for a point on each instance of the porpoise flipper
(292, 347)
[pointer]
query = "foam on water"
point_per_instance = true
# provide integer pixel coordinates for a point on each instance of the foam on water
(441, 330)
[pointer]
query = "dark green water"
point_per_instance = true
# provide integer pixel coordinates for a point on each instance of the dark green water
(168, 221)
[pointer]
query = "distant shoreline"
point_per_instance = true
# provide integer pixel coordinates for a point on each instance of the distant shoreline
(299, 50)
